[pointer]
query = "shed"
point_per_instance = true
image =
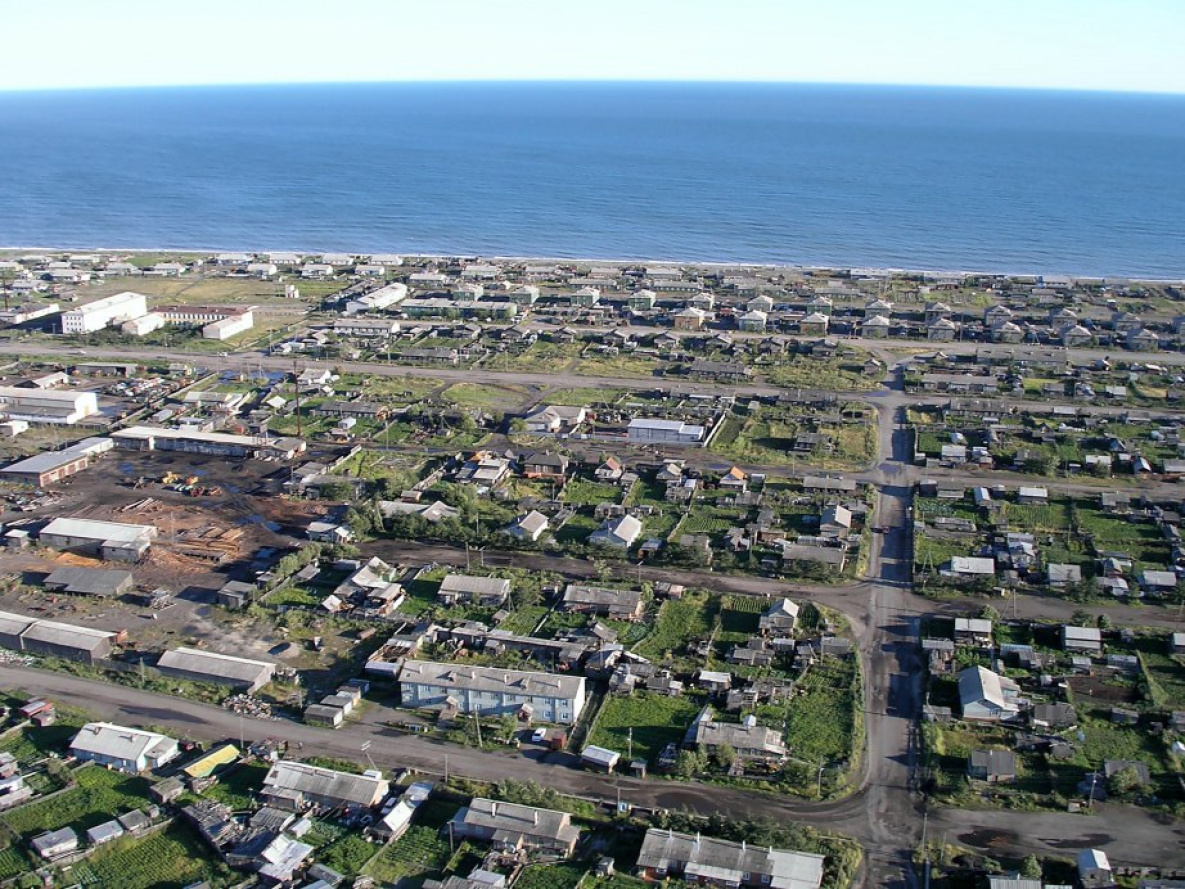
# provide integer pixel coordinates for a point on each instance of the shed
(90, 581)
(600, 758)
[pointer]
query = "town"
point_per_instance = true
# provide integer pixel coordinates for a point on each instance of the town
(337, 570)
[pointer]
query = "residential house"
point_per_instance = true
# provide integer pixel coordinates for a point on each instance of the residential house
(546, 465)
(779, 618)
(126, 749)
(465, 589)
(513, 827)
(546, 697)
(295, 785)
(1088, 639)
(986, 696)
(528, 527)
(993, 766)
(621, 532)
(693, 858)
(611, 603)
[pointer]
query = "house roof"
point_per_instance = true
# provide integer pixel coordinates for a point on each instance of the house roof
(465, 584)
(115, 532)
(217, 666)
(492, 679)
(511, 819)
(980, 684)
(722, 861)
(119, 742)
(326, 783)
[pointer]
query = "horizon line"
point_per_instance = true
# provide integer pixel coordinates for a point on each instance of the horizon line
(591, 81)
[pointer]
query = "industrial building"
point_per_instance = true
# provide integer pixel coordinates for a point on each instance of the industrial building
(230, 326)
(128, 750)
(545, 697)
(103, 312)
(114, 541)
(42, 470)
(49, 638)
(89, 581)
(47, 406)
(223, 669)
(218, 444)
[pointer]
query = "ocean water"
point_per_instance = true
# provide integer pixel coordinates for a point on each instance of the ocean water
(831, 175)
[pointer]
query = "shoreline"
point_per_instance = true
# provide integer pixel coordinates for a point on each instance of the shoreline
(871, 270)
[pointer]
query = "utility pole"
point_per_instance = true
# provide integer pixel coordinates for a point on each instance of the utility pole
(630, 741)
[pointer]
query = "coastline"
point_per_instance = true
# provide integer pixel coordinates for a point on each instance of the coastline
(871, 270)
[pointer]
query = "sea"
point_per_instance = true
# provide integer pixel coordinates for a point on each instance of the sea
(843, 176)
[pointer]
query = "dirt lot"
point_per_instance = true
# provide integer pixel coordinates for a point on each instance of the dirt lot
(203, 542)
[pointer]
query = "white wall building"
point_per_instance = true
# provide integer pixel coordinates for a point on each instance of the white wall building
(126, 749)
(101, 313)
(545, 697)
(47, 406)
(232, 325)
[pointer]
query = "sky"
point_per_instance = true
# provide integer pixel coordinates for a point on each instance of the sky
(1120, 45)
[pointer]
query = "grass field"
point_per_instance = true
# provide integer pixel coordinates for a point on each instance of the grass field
(173, 857)
(679, 621)
(485, 395)
(551, 876)
(237, 787)
(99, 796)
(580, 397)
(814, 373)
(656, 720)
(583, 492)
(418, 855)
(821, 724)
(541, 356)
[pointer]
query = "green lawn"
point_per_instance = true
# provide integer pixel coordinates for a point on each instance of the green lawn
(679, 621)
(551, 876)
(656, 720)
(99, 796)
(419, 854)
(173, 857)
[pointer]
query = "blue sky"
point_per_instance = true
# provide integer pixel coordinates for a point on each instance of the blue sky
(1129, 45)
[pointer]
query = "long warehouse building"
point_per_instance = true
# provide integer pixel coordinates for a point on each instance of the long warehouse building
(47, 405)
(223, 669)
(49, 638)
(117, 541)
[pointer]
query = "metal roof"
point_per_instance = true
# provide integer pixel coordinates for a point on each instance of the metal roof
(115, 532)
(222, 666)
(117, 741)
(493, 679)
(328, 784)
(724, 861)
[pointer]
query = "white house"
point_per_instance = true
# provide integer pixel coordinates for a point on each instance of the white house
(986, 696)
(621, 532)
(129, 750)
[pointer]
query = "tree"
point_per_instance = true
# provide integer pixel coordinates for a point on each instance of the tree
(690, 764)
(1030, 868)
(989, 612)
(1081, 618)
(1126, 780)
(1104, 622)
(724, 756)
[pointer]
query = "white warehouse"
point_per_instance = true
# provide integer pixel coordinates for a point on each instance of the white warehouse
(47, 405)
(101, 313)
